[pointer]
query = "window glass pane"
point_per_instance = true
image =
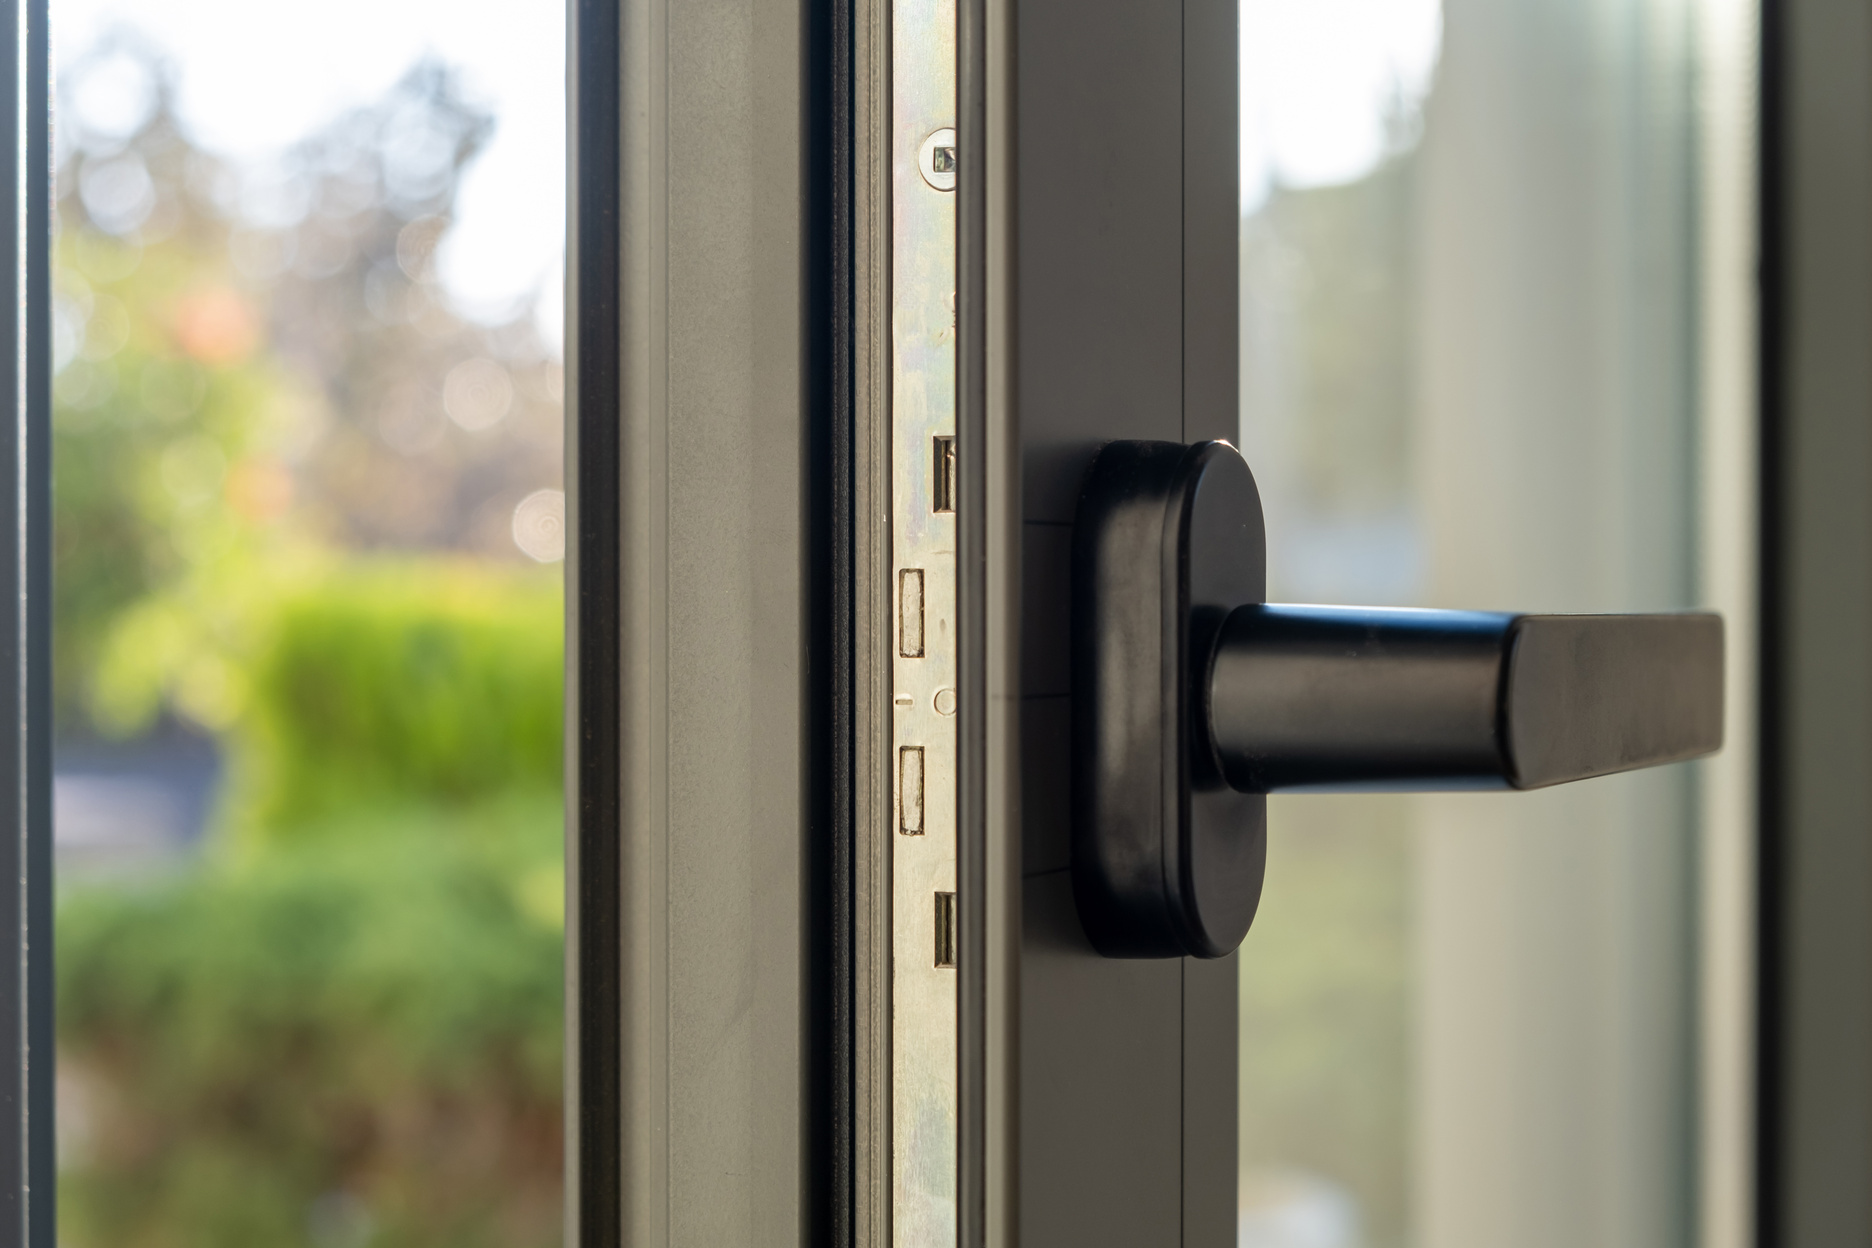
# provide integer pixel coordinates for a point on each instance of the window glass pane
(1471, 302)
(309, 532)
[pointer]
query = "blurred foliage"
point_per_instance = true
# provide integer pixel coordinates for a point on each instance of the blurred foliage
(440, 424)
(348, 684)
(258, 362)
(362, 1025)
(473, 659)
(1325, 1004)
(281, 514)
(172, 437)
(354, 1006)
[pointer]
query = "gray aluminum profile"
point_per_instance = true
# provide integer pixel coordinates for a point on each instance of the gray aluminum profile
(698, 916)
(869, 1159)
(1814, 1078)
(709, 1044)
(28, 1197)
(728, 829)
(1124, 312)
(988, 600)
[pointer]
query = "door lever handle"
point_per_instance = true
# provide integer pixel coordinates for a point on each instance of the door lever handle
(1362, 697)
(1193, 698)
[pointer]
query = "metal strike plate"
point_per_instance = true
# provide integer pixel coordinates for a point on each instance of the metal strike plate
(924, 671)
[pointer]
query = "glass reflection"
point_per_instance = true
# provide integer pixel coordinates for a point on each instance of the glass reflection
(1468, 380)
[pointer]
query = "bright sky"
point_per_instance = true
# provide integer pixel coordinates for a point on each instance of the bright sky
(1318, 79)
(256, 75)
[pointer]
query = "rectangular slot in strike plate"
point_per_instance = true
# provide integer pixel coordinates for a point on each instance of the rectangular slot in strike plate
(910, 790)
(945, 931)
(943, 488)
(910, 613)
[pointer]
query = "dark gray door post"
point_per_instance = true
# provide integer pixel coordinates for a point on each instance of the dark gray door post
(28, 1194)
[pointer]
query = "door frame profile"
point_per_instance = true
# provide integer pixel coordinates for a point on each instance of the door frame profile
(28, 1193)
(729, 223)
(1813, 1073)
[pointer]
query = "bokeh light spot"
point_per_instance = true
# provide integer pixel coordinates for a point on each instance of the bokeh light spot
(539, 526)
(118, 192)
(216, 326)
(477, 394)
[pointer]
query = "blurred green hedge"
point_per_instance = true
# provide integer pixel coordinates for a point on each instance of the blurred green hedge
(402, 680)
(342, 1026)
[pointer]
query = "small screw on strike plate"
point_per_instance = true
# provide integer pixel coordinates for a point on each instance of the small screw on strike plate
(936, 159)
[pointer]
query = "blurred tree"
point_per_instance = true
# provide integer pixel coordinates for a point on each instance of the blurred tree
(257, 362)
(443, 423)
(342, 1024)
(174, 432)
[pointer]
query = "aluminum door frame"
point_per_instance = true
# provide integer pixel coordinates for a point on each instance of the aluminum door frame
(1122, 257)
(727, 735)
(1814, 1043)
(28, 1193)
(701, 752)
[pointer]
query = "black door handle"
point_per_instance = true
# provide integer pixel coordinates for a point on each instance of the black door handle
(1193, 698)
(1320, 697)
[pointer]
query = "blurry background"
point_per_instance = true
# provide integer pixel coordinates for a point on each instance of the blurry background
(307, 440)
(1476, 310)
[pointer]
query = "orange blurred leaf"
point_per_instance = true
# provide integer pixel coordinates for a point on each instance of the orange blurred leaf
(216, 326)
